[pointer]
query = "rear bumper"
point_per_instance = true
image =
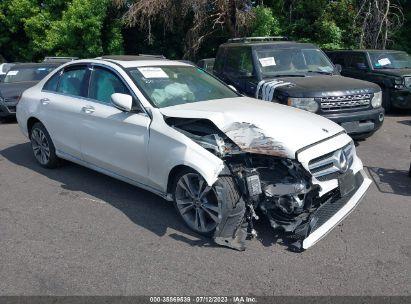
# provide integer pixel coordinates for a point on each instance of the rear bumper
(7, 109)
(331, 214)
(361, 122)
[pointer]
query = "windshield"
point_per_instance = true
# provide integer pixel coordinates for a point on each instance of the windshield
(173, 85)
(390, 60)
(292, 61)
(27, 74)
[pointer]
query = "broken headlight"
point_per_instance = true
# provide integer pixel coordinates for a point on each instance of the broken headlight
(308, 104)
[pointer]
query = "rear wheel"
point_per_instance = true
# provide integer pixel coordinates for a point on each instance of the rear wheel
(200, 206)
(43, 147)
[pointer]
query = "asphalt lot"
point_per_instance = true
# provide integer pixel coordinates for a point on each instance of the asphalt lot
(72, 231)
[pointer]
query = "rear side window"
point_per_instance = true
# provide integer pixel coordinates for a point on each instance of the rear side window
(240, 61)
(51, 84)
(219, 61)
(72, 82)
(339, 59)
(357, 61)
(104, 83)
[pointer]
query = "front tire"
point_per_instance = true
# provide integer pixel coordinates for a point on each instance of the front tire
(43, 147)
(386, 100)
(200, 206)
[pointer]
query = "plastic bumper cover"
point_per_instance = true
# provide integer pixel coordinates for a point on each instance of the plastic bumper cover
(345, 206)
(7, 109)
(359, 122)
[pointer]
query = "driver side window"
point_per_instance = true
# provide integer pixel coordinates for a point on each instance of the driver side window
(104, 83)
(358, 61)
(240, 61)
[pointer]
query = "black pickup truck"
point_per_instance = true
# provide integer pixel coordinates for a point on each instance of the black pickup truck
(390, 69)
(302, 76)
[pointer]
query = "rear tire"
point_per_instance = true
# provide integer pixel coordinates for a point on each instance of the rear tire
(43, 147)
(202, 207)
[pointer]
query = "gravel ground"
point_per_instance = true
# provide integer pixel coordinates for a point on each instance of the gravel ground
(72, 231)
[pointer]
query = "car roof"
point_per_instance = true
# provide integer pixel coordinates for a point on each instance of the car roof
(34, 65)
(360, 51)
(290, 44)
(130, 61)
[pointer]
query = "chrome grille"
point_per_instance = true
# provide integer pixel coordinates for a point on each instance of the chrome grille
(407, 82)
(13, 99)
(334, 103)
(12, 109)
(330, 166)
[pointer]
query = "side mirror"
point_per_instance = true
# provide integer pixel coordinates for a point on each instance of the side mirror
(123, 102)
(338, 67)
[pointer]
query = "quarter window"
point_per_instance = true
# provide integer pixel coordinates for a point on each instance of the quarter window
(339, 59)
(72, 82)
(240, 61)
(357, 61)
(51, 84)
(105, 83)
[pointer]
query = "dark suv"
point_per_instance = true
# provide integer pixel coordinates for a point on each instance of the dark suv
(391, 70)
(19, 78)
(300, 75)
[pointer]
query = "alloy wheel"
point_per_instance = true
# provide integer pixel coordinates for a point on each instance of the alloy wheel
(197, 203)
(40, 145)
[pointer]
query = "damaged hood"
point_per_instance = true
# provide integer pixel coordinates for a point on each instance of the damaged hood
(259, 126)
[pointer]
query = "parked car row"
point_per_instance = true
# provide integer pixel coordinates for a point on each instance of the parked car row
(300, 75)
(391, 70)
(204, 141)
(15, 78)
(175, 130)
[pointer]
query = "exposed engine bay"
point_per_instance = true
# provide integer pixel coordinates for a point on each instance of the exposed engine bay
(275, 186)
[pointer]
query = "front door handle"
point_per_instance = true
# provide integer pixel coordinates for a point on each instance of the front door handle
(45, 101)
(88, 109)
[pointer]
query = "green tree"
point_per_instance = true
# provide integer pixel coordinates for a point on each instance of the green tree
(80, 31)
(265, 23)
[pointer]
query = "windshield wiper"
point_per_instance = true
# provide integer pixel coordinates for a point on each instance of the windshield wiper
(285, 75)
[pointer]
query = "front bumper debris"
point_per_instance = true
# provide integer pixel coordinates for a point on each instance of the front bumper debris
(329, 215)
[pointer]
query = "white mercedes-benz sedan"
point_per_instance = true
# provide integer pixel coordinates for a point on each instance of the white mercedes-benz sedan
(172, 129)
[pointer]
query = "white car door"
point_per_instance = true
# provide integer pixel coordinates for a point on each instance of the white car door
(62, 99)
(111, 139)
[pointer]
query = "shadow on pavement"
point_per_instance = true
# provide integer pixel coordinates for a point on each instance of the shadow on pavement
(142, 207)
(8, 120)
(405, 122)
(391, 181)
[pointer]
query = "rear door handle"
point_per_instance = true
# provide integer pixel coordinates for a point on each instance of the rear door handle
(45, 101)
(88, 109)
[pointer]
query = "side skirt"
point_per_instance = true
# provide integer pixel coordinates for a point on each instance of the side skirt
(91, 166)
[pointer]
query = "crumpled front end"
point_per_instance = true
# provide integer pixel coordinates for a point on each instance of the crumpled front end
(304, 197)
